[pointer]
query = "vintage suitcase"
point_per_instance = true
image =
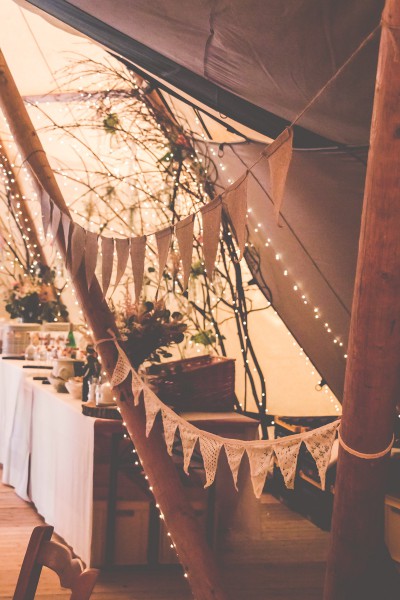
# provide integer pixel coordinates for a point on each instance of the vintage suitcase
(202, 383)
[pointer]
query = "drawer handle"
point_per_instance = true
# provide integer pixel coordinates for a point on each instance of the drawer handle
(125, 513)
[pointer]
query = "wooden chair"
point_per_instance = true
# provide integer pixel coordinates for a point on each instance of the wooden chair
(42, 552)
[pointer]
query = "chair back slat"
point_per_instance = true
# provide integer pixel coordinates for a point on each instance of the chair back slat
(30, 570)
(42, 552)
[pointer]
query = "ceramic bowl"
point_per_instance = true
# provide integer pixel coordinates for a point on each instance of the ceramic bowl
(57, 383)
(75, 389)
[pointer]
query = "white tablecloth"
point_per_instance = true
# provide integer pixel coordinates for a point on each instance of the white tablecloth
(15, 421)
(61, 478)
(47, 447)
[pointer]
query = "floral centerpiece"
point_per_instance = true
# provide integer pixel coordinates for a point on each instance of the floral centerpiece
(149, 329)
(34, 298)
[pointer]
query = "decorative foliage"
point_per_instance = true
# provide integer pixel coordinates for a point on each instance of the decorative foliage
(150, 173)
(204, 337)
(149, 329)
(34, 298)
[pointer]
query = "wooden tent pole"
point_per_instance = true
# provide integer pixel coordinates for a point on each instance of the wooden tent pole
(358, 565)
(20, 207)
(194, 554)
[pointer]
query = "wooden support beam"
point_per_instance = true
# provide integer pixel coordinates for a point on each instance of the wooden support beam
(358, 564)
(194, 554)
(20, 207)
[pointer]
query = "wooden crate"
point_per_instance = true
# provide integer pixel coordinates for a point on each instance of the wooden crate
(198, 384)
(392, 526)
(131, 532)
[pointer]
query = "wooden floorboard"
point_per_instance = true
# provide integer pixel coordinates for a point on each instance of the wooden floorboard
(285, 561)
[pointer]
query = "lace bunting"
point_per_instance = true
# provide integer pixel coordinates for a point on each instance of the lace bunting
(261, 461)
(188, 439)
(234, 454)
(260, 453)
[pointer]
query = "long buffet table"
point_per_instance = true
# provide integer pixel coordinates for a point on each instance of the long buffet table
(47, 451)
(60, 459)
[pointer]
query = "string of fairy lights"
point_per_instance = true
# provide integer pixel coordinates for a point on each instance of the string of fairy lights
(138, 463)
(278, 257)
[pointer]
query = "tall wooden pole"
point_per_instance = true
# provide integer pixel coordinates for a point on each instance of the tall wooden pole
(358, 567)
(20, 208)
(194, 554)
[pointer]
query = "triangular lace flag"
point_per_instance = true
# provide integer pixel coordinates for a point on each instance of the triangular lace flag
(137, 387)
(45, 206)
(152, 408)
(138, 253)
(66, 225)
(287, 454)
(234, 454)
(122, 247)
(320, 447)
(121, 371)
(235, 205)
(77, 248)
(91, 251)
(55, 220)
(188, 439)
(279, 155)
(211, 216)
(107, 250)
(260, 460)
(170, 424)
(184, 235)
(163, 239)
(210, 449)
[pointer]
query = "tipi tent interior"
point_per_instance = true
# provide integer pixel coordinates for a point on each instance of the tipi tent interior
(198, 230)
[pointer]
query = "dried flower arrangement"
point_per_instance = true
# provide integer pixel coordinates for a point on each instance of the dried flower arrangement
(149, 328)
(34, 298)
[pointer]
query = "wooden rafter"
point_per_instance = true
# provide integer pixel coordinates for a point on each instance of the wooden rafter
(358, 565)
(20, 208)
(194, 553)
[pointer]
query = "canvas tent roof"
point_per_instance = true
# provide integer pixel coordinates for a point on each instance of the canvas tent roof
(316, 247)
(256, 62)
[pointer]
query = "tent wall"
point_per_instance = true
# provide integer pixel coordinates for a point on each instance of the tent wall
(316, 246)
(255, 62)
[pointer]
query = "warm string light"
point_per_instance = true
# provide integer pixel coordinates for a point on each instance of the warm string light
(138, 463)
(89, 103)
(297, 288)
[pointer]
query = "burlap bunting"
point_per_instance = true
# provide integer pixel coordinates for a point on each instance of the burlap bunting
(235, 206)
(80, 245)
(184, 235)
(279, 156)
(107, 250)
(91, 251)
(211, 215)
(138, 254)
(77, 248)
(66, 225)
(163, 239)
(122, 248)
(55, 220)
